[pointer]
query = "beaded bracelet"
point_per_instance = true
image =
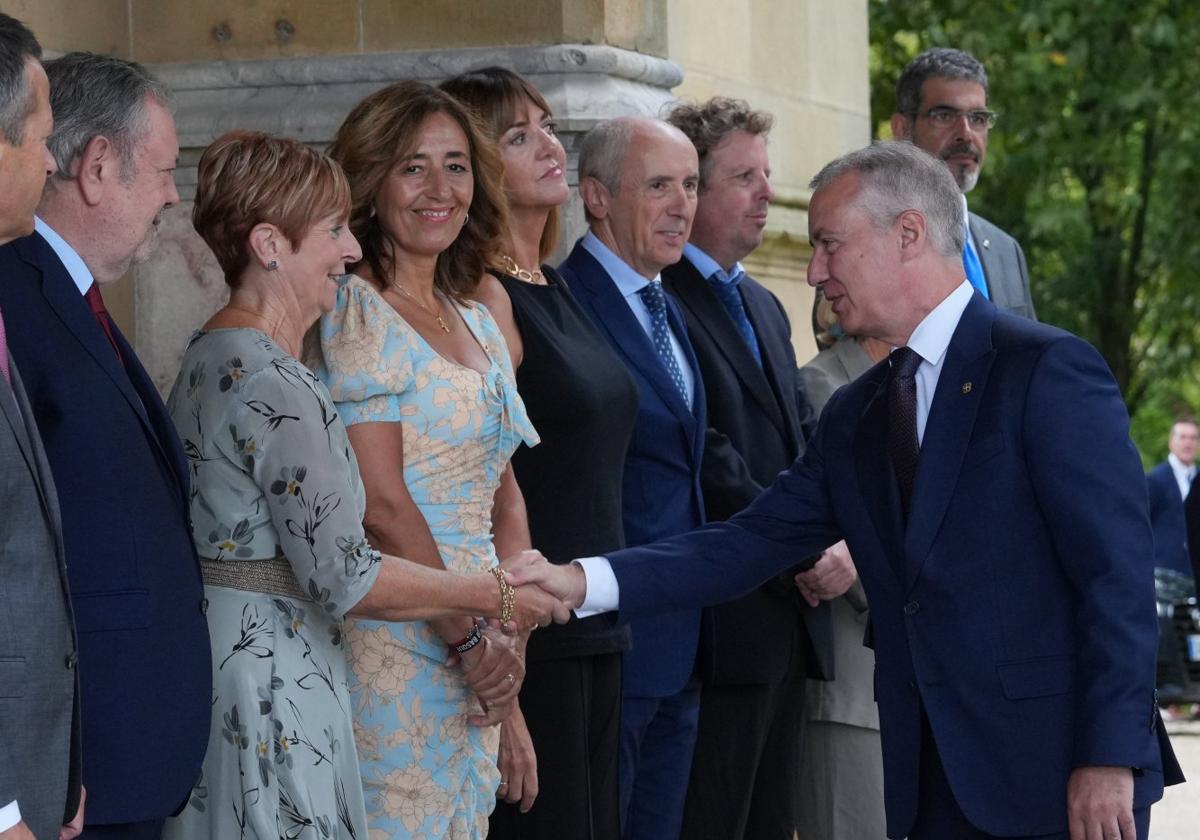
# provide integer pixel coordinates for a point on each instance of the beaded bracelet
(508, 595)
(473, 638)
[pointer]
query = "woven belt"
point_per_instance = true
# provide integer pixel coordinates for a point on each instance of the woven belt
(273, 576)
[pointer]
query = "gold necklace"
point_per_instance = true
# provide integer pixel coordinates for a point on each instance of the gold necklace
(436, 313)
(509, 266)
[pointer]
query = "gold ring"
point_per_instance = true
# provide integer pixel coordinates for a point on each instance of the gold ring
(511, 679)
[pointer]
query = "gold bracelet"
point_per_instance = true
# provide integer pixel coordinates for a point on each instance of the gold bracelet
(508, 595)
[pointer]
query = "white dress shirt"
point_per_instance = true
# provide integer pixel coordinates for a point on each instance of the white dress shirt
(74, 263)
(10, 815)
(1184, 474)
(930, 340)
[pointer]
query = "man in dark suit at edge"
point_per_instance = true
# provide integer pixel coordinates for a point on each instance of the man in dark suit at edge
(942, 106)
(1014, 650)
(123, 483)
(748, 745)
(40, 793)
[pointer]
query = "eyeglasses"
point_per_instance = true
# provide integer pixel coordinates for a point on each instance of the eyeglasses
(980, 119)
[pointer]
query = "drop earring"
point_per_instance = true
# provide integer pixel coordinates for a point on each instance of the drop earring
(272, 265)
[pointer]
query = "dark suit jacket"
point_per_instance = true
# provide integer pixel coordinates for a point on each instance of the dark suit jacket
(1016, 610)
(661, 487)
(39, 713)
(1191, 515)
(1003, 267)
(754, 432)
(122, 483)
(1166, 518)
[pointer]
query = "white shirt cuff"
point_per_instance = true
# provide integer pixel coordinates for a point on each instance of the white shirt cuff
(603, 593)
(10, 815)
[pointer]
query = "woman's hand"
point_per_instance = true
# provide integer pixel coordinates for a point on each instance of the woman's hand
(494, 669)
(517, 762)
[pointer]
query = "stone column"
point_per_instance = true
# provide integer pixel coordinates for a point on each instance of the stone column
(307, 98)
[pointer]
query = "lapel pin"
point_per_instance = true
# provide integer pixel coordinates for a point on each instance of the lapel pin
(966, 388)
(987, 243)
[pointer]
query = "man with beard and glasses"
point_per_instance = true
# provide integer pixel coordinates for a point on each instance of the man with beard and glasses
(122, 478)
(942, 107)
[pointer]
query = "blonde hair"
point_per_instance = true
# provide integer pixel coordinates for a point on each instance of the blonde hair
(382, 131)
(247, 178)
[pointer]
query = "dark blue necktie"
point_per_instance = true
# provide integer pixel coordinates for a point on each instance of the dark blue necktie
(727, 291)
(656, 302)
(903, 449)
(974, 268)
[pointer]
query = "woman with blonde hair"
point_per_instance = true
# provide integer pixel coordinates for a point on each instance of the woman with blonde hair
(421, 377)
(560, 744)
(277, 505)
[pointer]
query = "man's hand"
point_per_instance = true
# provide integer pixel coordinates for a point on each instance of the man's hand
(20, 831)
(830, 577)
(567, 582)
(534, 606)
(1100, 803)
(74, 828)
(517, 762)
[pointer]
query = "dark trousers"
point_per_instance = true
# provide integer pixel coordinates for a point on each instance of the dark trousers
(149, 830)
(745, 780)
(940, 818)
(657, 737)
(573, 710)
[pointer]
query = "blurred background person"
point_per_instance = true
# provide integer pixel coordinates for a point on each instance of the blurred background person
(583, 403)
(422, 378)
(841, 766)
(277, 505)
(1169, 484)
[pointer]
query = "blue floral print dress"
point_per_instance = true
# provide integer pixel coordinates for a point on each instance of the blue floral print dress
(273, 475)
(427, 774)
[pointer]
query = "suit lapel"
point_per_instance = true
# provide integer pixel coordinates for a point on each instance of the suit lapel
(694, 293)
(19, 416)
(777, 368)
(993, 270)
(627, 335)
(876, 478)
(951, 421)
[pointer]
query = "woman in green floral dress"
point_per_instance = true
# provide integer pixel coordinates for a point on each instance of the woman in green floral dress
(277, 505)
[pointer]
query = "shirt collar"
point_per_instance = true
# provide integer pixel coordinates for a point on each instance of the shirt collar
(627, 281)
(931, 338)
(709, 268)
(1179, 467)
(71, 260)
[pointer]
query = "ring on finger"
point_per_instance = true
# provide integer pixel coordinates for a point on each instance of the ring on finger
(511, 679)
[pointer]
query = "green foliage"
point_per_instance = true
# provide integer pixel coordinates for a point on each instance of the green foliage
(1094, 167)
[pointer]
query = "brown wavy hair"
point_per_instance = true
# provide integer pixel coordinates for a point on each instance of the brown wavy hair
(382, 131)
(494, 94)
(248, 177)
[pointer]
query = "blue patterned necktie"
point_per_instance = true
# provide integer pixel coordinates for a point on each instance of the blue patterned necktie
(974, 267)
(727, 291)
(656, 302)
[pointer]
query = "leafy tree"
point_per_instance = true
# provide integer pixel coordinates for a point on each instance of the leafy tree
(1094, 167)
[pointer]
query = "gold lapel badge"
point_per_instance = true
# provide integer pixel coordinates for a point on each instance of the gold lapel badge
(966, 388)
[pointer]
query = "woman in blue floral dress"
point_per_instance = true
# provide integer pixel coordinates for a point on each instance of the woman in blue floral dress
(422, 379)
(277, 508)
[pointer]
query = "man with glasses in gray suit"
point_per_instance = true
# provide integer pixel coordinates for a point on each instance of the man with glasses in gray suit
(40, 791)
(942, 107)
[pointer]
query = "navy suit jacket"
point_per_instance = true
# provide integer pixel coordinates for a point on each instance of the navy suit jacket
(1017, 606)
(1167, 520)
(144, 658)
(661, 486)
(756, 418)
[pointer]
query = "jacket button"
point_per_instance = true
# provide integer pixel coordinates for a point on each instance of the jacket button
(72, 658)
(912, 608)
(203, 606)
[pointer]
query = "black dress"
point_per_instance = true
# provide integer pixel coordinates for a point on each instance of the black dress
(583, 403)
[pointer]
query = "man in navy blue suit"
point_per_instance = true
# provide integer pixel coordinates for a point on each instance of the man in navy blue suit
(638, 180)
(1169, 484)
(144, 660)
(985, 483)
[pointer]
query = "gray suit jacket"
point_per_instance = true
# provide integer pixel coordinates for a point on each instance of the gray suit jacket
(849, 698)
(39, 715)
(1003, 266)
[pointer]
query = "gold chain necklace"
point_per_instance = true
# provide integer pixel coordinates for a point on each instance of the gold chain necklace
(436, 313)
(509, 266)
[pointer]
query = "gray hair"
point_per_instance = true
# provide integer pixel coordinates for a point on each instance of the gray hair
(936, 63)
(895, 177)
(98, 95)
(17, 47)
(602, 153)
(708, 123)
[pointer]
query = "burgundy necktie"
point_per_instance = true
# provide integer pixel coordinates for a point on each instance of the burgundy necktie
(4, 352)
(96, 302)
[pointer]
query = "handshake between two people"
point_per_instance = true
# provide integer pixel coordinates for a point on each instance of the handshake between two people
(544, 585)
